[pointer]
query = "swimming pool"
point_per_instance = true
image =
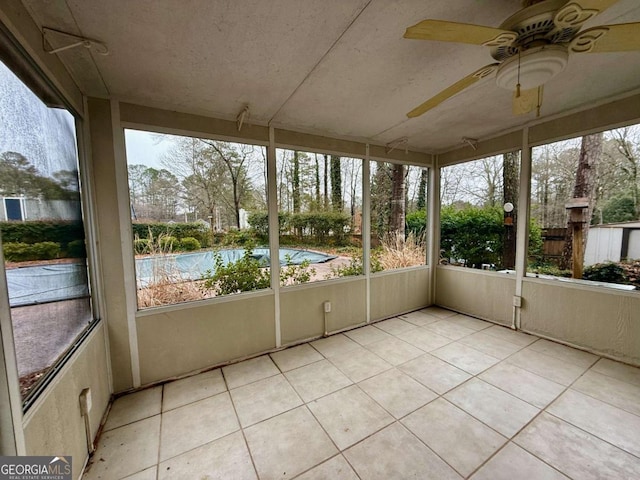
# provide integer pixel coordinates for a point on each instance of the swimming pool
(193, 266)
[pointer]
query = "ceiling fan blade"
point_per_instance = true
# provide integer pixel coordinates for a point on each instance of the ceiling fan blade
(600, 5)
(460, 32)
(576, 12)
(452, 90)
(623, 37)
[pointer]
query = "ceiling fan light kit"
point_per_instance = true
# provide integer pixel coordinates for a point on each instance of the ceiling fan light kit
(533, 67)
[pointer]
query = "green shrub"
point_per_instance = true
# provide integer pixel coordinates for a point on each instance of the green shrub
(244, 275)
(142, 245)
(198, 230)
(24, 252)
(259, 222)
(355, 267)
(189, 244)
(474, 235)
(606, 272)
(416, 223)
(238, 238)
(76, 249)
(167, 243)
(308, 227)
(549, 269)
(58, 231)
(296, 274)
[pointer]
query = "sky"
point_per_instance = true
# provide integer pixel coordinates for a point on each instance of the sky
(145, 148)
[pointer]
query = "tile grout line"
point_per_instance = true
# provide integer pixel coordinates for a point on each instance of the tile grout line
(535, 417)
(160, 434)
(241, 429)
(509, 440)
(593, 435)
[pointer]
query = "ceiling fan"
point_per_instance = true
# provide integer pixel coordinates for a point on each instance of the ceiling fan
(530, 47)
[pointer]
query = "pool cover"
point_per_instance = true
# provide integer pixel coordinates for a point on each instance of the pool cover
(193, 266)
(46, 283)
(50, 283)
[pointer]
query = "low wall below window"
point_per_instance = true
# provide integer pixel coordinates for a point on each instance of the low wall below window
(54, 423)
(302, 313)
(598, 319)
(174, 341)
(399, 291)
(479, 293)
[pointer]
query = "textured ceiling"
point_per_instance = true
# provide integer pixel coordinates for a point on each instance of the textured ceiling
(331, 67)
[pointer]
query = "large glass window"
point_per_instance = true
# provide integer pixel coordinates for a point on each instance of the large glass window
(479, 211)
(398, 215)
(42, 230)
(585, 198)
(320, 216)
(191, 209)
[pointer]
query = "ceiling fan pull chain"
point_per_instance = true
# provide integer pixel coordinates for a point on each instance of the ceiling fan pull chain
(518, 84)
(539, 100)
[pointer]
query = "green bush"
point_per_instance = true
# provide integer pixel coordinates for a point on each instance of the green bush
(308, 227)
(76, 249)
(199, 231)
(24, 252)
(606, 272)
(548, 269)
(472, 235)
(475, 235)
(244, 275)
(142, 246)
(238, 238)
(189, 244)
(167, 243)
(416, 223)
(61, 232)
(355, 267)
(295, 274)
(259, 222)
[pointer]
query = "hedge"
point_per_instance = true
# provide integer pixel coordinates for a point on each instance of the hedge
(196, 230)
(62, 232)
(24, 252)
(310, 225)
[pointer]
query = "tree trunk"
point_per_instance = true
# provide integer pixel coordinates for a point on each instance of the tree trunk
(317, 202)
(326, 182)
(510, 195)
(590, 152)
(336, 184)
(296, 182)
(422, 190)
(397, 201)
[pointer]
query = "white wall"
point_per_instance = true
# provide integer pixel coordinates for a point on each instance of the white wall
(479, 293)
(603, 245)
(634, 245)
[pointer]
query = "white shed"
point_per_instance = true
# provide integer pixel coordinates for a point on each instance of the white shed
(612, 242)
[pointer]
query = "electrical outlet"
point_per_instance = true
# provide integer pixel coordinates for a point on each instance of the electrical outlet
(517, 301)
(85, 401)
(327, 307)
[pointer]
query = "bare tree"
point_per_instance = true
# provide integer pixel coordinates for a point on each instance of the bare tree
(584, 187)
(510, 176)
(397, 200)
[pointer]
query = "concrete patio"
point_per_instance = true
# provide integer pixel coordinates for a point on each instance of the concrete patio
(430, 395)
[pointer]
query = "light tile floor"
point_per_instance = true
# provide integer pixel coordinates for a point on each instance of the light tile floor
(430, 395)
